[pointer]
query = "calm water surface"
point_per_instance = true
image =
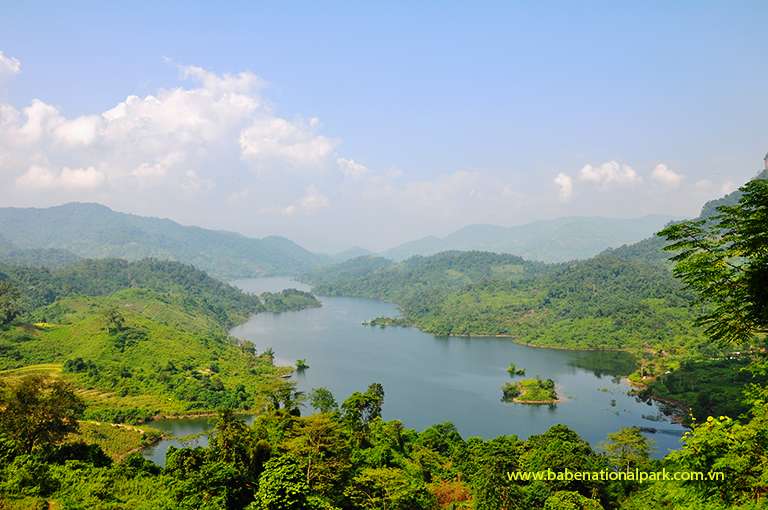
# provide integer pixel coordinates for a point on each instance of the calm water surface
(431, 379)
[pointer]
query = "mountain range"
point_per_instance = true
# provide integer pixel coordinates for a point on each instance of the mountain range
(557, 240)
(86, 230)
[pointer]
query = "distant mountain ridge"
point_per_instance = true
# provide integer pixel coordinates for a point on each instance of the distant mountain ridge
(652, 248)
(557, 240)
(89, 230)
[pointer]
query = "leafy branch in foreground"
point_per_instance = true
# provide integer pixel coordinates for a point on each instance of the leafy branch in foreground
(725, 260)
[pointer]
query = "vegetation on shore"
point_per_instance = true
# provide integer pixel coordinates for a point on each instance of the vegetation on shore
(138, 339)
(346, 457)
(530, 391)
(514, 370)
(383, 322)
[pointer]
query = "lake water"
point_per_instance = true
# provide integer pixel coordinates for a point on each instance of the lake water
(430, 379)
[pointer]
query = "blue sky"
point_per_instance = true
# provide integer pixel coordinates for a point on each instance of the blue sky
(383, 121)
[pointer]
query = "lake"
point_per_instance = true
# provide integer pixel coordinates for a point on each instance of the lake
(430, 379)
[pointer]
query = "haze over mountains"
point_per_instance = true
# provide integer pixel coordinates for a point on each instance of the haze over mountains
(94, 231)
(555, 240)
(60, 235)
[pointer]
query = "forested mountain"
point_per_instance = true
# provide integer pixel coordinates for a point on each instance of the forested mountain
(555, 240)
(138, 338)
(652, 249)
(45, 257)
(606, 302)
(710, 208)
(122, 341)
(350, 253)
(95, 231)
(223, 302)
(380, 278)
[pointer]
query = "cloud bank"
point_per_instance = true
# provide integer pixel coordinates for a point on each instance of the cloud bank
(212, 150)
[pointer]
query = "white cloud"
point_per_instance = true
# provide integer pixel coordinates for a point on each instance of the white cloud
(312, 201)
(40, 178)
(727, 187)
(351, 168)
(707, 186)
(703, 185)
(9, 66)
(565, 186)
(669, 178)
(79, 131)
(608, 173)
(182, 139)
(275, 139)
(36, 177)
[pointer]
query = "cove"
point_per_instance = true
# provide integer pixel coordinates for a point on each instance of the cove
(430, 379)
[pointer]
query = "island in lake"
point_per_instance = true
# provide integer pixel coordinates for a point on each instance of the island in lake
(383, 322)
(530, 391)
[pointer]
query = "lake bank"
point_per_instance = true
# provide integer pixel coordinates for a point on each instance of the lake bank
(430, 379)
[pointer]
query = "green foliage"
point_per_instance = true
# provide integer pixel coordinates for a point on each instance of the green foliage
(323, 400)
(282, 486)
(384, 322)
(390, 488)
(603, 303)
(740, 451)
(628, 449)
(710, 387)
(288, 300)
(38, 413)
(138, 338)
(512, 370)
(724, 259)
(360, 409)
(10, 306)
(570, 500)
(192, 288)
(534, 391)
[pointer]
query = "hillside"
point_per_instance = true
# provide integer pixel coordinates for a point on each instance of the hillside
(137, 338)
(47, 257)
(380, 278)
(95, 231)
(602, 303)
(557, 240)
(652, 249)
(163, 357)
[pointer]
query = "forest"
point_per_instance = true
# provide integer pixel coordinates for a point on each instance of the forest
(155, 334)
(625, 299)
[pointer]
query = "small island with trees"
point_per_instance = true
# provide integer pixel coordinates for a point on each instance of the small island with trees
(384, 322)
(514, 370)
(530, 391)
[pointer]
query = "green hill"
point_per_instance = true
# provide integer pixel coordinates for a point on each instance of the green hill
(95, 231)
(138, 338)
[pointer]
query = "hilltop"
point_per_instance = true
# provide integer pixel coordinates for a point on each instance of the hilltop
(87, 230)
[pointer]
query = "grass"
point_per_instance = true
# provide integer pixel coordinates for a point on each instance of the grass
(117, 440)
(185, 363)
(530, 391)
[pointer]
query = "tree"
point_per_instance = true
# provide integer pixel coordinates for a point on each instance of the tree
(628, 448)
(39, 412)
(321, 446)
(359, 409)
(322, 399)
(10, 306)
(738, 451)
(570, 500)
(388, 489)
(114, 321)
(725, 260)
(282, 485)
